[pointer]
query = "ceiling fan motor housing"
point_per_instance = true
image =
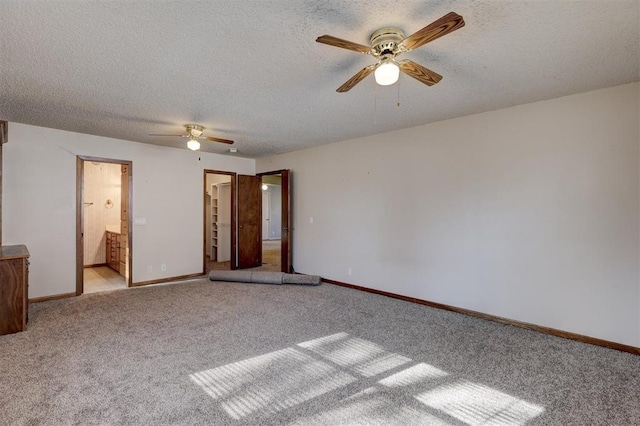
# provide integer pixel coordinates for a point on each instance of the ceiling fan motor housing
(385, 41)
(194, 130)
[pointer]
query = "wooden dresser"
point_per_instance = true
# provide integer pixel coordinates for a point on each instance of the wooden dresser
(14, 284)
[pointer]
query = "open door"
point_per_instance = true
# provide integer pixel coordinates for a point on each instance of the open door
(249, 221)
(285, 249)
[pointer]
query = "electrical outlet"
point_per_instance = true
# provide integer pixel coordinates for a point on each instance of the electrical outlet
(349, 271)
(311, 220)
(149, 268)
(163, 267)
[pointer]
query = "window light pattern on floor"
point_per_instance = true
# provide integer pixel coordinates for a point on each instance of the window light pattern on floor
(361, 356)
(414, 375)
(380, 387)
(372, 407)
(476, 404)
(271, 382)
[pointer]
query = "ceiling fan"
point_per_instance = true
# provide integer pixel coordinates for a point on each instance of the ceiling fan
(389, 42)
(194, 133)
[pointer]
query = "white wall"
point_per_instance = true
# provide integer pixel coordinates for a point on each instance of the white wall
(530, 213)
(39, 206)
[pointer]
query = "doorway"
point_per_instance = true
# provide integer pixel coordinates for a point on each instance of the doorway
(219, 221)
(276, 220)
(247, 245)
(103, 232)
(271, 222)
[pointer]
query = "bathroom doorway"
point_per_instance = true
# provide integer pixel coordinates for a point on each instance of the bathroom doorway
(103, 241)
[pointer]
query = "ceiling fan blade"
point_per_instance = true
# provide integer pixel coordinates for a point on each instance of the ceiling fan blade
(420, 73)
(357, 78)
(175, 136)
(209, 138)
(338, 42)
(443, 26)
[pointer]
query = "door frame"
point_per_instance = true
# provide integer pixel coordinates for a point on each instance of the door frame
(80, 159)
(233, 175)
(286, 228)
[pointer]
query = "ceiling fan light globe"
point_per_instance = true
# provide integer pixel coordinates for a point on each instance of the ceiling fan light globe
(193, 145)
(387, 73)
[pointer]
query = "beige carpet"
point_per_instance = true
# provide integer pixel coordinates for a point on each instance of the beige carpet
(203, 353)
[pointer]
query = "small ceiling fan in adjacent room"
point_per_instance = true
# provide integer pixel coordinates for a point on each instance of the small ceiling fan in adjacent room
(194, 133)
(388, 43)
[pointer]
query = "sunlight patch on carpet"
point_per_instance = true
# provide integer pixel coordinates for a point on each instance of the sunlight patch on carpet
(372, 407)
(359, 355)
(384, 387)
(271, 382)
(476, 404)
(414, 375)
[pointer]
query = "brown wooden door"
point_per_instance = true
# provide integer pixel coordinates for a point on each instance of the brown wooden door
(249, 221)
(285, 248)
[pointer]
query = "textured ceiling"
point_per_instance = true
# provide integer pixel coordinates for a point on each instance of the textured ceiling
(251, 70)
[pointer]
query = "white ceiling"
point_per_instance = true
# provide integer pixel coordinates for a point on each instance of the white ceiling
(251, 70)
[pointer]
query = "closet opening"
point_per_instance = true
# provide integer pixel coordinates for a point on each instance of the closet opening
(219, 221)
(103, 232)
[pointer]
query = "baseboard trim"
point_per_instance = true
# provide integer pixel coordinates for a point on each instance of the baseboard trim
(540, 329)
(166, 280)
(95, 265)
(138, 284)
(52, 297)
